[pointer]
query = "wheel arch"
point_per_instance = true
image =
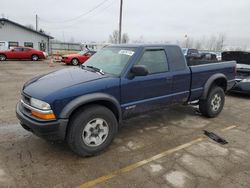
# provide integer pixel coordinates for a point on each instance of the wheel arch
(35, 54)
(92, 99)
(218, 80)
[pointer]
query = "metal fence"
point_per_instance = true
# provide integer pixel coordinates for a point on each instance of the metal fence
(63, 47)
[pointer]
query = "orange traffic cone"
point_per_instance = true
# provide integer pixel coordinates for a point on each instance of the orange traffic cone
(51, 62)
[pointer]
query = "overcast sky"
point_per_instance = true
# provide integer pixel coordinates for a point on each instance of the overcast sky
(154, 20)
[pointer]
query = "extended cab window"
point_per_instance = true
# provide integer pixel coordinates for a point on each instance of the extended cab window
(155, 61)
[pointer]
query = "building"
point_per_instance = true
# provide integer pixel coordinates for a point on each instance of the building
(15, 34)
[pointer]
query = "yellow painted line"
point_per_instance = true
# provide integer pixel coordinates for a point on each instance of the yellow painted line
(143, 162)
(229, 128)
(138, 164)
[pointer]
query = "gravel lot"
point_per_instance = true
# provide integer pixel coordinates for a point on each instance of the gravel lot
(162, 149)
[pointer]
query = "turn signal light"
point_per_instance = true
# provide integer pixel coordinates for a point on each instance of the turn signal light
(43, 116)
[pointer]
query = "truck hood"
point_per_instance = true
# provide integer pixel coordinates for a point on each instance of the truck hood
(44, 85)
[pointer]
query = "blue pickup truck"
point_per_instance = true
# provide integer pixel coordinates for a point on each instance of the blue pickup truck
(85, 105)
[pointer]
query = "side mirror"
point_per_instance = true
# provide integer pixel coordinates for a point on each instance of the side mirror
(139, 70)
(12, 50)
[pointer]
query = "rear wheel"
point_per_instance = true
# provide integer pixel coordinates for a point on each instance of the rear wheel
(213, 104)
(91, 130)
(75, 62)
(2, 57)
(34, 57)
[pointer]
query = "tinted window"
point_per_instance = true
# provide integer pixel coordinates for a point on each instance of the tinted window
(155, 61)
(26, 49)
(176, 58)
(18, 49)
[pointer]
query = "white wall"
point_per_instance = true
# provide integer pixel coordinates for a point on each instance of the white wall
(10, 32)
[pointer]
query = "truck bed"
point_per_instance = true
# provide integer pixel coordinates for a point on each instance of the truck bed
(201, 62)
(202, 72)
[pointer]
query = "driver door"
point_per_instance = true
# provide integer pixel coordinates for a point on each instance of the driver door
(16, 53)
(144, 93)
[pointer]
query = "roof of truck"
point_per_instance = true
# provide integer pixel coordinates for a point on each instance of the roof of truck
(140, 45)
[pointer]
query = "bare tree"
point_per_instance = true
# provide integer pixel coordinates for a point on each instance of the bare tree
(188, 43)
(220, 42)
(125, 38)
(210, 45)
(214, 43)
(139, 40)
(114, 37)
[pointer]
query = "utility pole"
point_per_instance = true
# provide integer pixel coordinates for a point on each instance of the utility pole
(120, 23)
(36, 22)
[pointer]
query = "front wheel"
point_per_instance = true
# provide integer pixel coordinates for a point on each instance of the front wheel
(213, 104)
(91, 130)
(2, 57)
(75, 62)
(34, 58)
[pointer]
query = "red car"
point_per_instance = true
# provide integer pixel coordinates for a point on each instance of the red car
(76, 59)
(22, 53)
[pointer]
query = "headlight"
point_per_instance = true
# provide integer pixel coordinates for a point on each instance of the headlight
(246, 80)
(39, 104)
(45, 54)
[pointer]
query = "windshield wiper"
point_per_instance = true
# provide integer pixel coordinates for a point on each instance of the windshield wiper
(94, 69)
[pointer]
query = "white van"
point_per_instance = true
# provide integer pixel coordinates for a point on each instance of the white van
(4, 45)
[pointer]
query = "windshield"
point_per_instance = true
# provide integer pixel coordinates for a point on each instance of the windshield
(111, 60)
(82, 52)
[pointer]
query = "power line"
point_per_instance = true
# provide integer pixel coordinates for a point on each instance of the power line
(77, 17)
(85, 18)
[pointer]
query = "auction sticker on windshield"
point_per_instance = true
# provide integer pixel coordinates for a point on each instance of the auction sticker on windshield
(126, 52)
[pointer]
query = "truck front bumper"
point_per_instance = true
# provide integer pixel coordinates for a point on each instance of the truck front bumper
(49, 130)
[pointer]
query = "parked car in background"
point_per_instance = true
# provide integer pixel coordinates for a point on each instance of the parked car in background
(191, 54)
(243, 70)
(4, 45)
(218, 56)
(22, 53)
(76, 59)
(85, 105)
(208, 56)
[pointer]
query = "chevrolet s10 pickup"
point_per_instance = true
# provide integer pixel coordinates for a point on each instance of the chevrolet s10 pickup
(85, 105)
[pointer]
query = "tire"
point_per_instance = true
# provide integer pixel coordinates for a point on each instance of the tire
(34, 58)
(84, 127)
(2, 57)
(75, 62)
(214, 103)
